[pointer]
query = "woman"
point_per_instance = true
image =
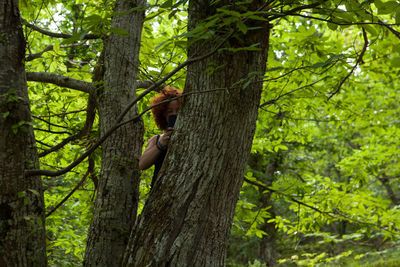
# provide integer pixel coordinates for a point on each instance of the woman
(164, 116)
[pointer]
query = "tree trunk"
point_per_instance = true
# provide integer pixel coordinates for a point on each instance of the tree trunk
(188, 216)
(391, 194)
(267, 249)
(22, 232)
(117, 198)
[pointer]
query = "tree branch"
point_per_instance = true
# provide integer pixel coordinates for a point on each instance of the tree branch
(396, 33)
(60, 80)
(59, 145)
(49, 48)
(359, 60)
(49, 123)
(290, 197)
(292, 11)
(272, 101)
(89, 170)
(61, 114)
(56, 34)
(90, 117)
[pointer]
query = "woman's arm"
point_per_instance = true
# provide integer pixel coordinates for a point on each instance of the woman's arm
(153, 151)
(150, 154)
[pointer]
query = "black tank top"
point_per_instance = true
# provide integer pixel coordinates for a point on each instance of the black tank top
(157, 164)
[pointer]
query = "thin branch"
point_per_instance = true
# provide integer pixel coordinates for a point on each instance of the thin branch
(340, 23)
(290, 197)
(42, 143)
(359, 60)
(56, 34)
(144, 84)
(49, 131)
(89, 170)
(49, 48)
(49, 123)
(388, 26)
(269, 102)
(59, 145)
(60, 80)
(292, 11)
(61, 114)
(90, 116)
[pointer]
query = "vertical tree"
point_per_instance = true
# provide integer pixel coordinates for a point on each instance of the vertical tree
(117, 197)
(187, 218)
(22, 236)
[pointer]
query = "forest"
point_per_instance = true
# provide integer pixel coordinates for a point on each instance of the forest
(285, 151)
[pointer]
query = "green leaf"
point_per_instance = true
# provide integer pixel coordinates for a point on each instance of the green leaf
(370, 29)
(229, 12)
(387, 7)
(241, 26)
(395, 62)
(167, 4)
(34, 192)
(332, 26)
(397, 16)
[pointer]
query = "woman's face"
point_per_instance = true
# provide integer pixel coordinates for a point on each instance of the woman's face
(172, 108)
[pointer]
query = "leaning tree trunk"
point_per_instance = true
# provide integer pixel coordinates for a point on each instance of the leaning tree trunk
(117, 198)
(22, 232)
(188, 216)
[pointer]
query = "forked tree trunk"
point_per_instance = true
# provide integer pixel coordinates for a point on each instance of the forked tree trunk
(117, 198)
(22, 232)
(188, 215)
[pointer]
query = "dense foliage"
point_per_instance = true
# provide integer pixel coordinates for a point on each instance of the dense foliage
(322, 185)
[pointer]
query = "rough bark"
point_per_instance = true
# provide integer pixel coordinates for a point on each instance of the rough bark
(117, 198)
(188, 216)
(22, 233)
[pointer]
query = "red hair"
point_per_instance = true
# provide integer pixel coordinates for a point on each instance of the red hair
(159, 111)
